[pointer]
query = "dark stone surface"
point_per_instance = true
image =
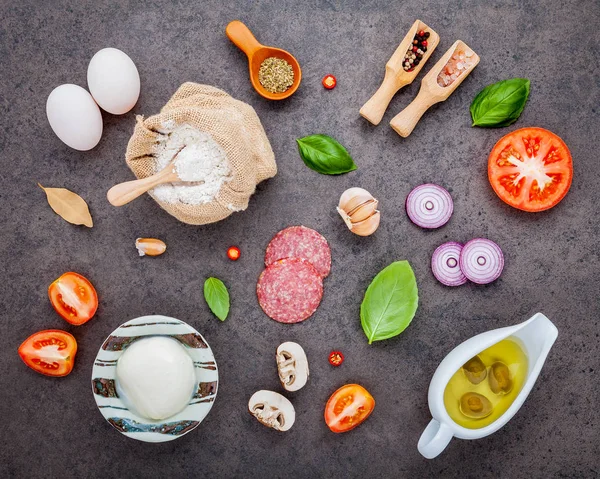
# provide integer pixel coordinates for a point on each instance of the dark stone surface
(51, 427)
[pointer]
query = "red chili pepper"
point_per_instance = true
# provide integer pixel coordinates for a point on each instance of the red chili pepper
(233, 253)
(329, 82)
(336, 358)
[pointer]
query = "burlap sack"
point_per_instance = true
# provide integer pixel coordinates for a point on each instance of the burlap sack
(233, 124)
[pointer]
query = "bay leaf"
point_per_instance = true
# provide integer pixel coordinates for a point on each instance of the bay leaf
(69, 206)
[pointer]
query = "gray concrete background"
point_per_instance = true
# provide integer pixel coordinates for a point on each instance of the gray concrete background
(51, 427)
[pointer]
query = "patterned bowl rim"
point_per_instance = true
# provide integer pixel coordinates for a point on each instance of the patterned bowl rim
(128, 422)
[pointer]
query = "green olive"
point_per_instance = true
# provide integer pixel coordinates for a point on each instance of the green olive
(475, 370)
(475, 405)
(500, 380)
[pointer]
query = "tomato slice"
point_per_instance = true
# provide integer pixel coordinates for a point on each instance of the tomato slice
(74, 298)
(348, 407)
(50, 352)
(530, 169)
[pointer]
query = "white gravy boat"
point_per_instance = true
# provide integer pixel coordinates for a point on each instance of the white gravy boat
(536, 335)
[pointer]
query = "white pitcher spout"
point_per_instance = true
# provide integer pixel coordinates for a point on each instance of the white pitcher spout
(538, 335)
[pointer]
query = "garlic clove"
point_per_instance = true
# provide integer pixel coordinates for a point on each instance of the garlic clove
(362, 212)
(150, 246)
(345, 217)
(367, 227)
(354, 197)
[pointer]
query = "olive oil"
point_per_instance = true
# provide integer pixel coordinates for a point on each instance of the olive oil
(497, 373)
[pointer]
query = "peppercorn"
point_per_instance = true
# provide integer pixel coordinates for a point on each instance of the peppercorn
(415, 42)
(421, 33)
(424, 43)
(426, 34)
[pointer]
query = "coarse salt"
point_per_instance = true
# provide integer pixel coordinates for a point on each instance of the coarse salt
(458, 63)
(202, 164)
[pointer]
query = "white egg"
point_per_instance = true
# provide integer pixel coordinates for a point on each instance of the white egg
(113, 80)
(74, 116)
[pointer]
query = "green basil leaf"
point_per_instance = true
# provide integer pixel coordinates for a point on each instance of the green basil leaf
(500, 104)
(325, 155)
(390, 302)
(217, 297)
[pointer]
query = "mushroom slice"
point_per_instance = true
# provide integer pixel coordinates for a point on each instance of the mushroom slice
(292, 366)
(272, 409)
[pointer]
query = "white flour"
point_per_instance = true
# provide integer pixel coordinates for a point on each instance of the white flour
(202, 162)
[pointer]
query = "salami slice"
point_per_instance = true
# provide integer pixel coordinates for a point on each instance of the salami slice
(289, 290)
(300, 242)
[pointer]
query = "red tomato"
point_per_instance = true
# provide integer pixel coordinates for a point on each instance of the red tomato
(50, 352)
(349, 406)
(530, 169)
(74, 298)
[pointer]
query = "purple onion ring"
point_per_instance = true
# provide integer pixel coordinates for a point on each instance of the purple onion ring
(429, 206)
(481, 261)
(445, 264)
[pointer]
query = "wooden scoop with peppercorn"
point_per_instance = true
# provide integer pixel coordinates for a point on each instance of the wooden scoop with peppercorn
(439, 83)
(274, 73)
(402, 68)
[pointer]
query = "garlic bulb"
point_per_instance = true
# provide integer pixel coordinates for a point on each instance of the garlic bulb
(358, 208)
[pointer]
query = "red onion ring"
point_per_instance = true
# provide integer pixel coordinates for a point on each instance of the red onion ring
(481, 261)
(445, 264)
(429, 206)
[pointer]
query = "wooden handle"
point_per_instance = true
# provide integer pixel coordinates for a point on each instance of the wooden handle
(405, 121)
(375, 108)
(242, 37)
(123, 193)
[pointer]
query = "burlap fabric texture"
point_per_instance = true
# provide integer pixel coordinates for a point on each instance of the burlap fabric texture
(233, 124)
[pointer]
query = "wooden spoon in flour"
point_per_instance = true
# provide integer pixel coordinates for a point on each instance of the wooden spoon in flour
(123, 193)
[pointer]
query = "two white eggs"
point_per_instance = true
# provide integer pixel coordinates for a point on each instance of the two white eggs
(73, 113)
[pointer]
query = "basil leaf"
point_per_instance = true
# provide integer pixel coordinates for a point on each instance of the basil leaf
(325, 155)
(217, 297)
(390, 302)
(500, 104)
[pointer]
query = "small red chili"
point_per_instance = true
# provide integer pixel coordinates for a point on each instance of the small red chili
(233, 253)
(336, 358)
(329, 82)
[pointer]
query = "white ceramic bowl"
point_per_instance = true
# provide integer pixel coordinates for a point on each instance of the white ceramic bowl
(116, 412)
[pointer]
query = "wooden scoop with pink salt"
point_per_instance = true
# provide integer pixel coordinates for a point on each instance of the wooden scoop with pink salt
(439, 83)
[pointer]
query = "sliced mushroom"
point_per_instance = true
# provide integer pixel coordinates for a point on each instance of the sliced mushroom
(272, 409)
(292, 366)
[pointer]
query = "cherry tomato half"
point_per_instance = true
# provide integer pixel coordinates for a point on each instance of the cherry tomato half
(530, 169)
(348, 407)
(329, 82)
(74, 298)
(336, 358)
(50, 352)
